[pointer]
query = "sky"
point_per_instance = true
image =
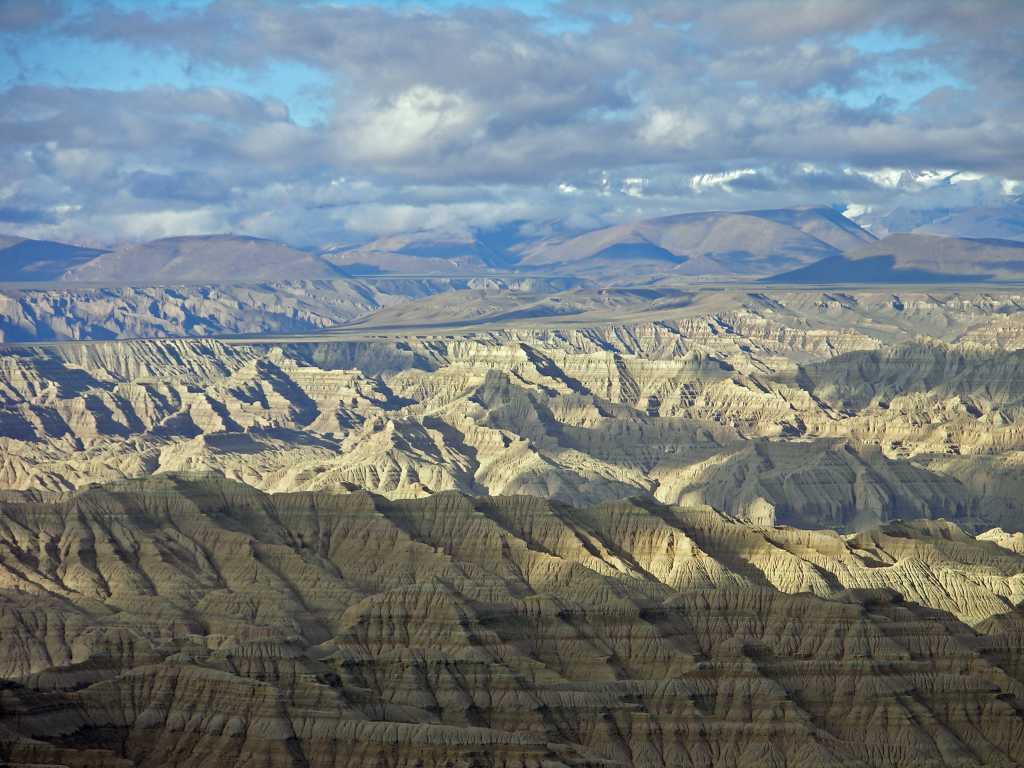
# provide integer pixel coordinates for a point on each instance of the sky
(318, 122)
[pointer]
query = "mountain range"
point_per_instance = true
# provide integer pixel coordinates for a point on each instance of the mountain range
(806, 244)
(917, 258)
(1002, 222)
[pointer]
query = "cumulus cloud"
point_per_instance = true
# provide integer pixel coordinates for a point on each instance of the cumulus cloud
(596, 111)
(419, 122)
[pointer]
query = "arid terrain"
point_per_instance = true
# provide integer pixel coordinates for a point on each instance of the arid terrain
(188, 620)
(804, 407)
(536, 516)
(432, 522)
(511, 384)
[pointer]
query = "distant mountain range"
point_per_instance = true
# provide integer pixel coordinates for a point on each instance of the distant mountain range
(917, 258)
(211, 258)
(804, 245)
(423, 252)
(1002, 223)
(23, 260)
(755, 243)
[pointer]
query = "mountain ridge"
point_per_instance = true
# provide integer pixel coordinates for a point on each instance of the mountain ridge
(26, 260)
(716, 243)
(807, 244)
(802, 407)
(917, 258)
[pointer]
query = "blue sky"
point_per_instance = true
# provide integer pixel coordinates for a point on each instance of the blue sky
(886, 81)
(65, 60)
(318, 121)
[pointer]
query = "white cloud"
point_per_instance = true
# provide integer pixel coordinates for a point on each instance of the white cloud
(856, 210)
(672, 128)
(382, 218)
(885, 177)
(78, 163)
(420, 119)
(149, 225)
(633, 186)
(931, 178)
(704, 181)
(965, 176)
(907, 179)
(271, 141)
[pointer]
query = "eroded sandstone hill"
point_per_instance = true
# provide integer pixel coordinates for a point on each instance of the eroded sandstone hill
(814, 409)
(189, 620)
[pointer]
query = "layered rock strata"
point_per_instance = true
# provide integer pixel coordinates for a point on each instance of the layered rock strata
(188, 620)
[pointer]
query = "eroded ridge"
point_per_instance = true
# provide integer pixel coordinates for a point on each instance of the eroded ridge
(783, 409)
(190, 620)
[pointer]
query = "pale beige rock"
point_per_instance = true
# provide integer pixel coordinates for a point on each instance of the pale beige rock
(923, 429)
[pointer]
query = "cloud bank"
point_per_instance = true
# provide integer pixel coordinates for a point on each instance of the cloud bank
(316, 122)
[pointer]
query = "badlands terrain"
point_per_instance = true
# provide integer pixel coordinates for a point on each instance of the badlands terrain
(807, 407)
(190, 620)
(549, 505)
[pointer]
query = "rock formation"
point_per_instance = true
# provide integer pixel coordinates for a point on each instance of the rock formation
(807, 408)
(188, 620)
(103, 313)
(427, 523)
